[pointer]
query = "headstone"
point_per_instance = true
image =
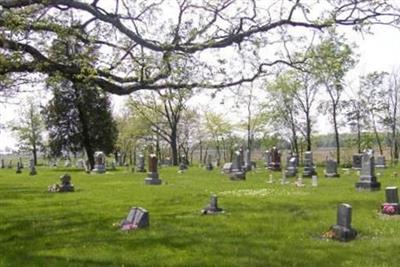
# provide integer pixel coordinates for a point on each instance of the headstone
(391, 206)
(2, 164)
(291, 169)
(32, 169)
(368, 179)
(357, 161)
(183, 164)
(275, 163)
(18, 170)
(65, 186)
(299, 182)
(140, 164)
(212, 208)
(309, 168)
(227, 168)
(343, 231)
(267, 158)
(209, 165)
(137, 218)
(380, 162)
(314, 181)
(152, 175)
(10, 165)
(331, 168)
(99, 162)
(247, 160)
(237, 172)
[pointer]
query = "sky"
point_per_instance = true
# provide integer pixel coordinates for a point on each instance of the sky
(377, 52)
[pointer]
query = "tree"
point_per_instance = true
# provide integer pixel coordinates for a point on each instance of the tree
(139, 45)
(29, 129)
(219, 129)
(163, 111)
(79, 117)
(330, 61)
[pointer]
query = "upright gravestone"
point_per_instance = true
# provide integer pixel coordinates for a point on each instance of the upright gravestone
(2, 164)
(368, 179)
(343, 231)
(152, 175)
(331, 168)
(267, 158)
(309, 168)
(227, 168)
(237, 172)
(357, 161)
(32, 169)
(140, 165)
(137, 218)
(212, 208)
(18, 169)
(209, 165)
(247, 160)
(275, 163)
(291, 169)
(65, 186)
(391, 206)
(99, 162)
(380, 162)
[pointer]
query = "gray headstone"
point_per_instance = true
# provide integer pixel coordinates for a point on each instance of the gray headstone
(227, 168)
(392, 194)
(291, 170)
(141, 164)
(368, 179)
(331, 168)
(99, 162)
(213, 206)
(309, 168)
(138, 217)
(237, 173)
(344, 215)
(380, 162)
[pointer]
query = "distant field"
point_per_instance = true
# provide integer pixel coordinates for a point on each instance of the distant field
(264, 224)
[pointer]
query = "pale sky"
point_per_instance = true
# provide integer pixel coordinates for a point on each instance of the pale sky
(378, 52)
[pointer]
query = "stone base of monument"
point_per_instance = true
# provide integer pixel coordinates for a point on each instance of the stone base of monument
(331, 175)
(380, 166)
(368, 186)
(137, 218)
(237, 175)
(342, 233)
(309, 173)
(274, 167)
(227, 168)
(390, 208)
(290, 173)
(99, 169)
(152, 179)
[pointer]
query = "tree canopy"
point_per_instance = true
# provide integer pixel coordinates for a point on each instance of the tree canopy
(135, 45)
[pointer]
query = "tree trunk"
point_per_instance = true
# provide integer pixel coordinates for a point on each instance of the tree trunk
(337, 141)
(308, 132)
(34, 153)
(174, 148)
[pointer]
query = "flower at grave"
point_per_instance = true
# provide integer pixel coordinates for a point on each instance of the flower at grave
(329, 234)
(129, 226)
(388, 209)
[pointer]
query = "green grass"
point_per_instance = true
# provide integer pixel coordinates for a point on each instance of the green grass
(263, 224)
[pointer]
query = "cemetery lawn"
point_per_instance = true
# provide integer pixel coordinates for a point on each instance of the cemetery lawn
(263, 224)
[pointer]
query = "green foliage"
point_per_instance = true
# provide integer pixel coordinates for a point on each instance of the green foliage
(79, 117)
(29, 128)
